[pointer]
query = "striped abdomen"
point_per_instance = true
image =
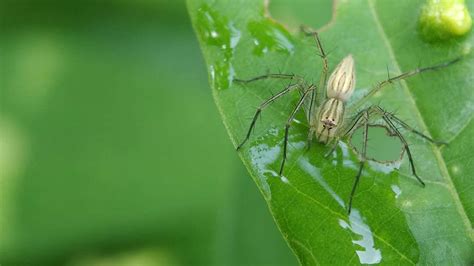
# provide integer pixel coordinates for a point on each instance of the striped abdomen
(341, 83)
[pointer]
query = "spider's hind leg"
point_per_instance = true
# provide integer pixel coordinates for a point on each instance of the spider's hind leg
(405, 146)
(411, 129)
(391, 120)
(364, 119)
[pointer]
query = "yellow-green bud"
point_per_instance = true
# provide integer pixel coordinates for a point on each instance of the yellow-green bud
(443, 19)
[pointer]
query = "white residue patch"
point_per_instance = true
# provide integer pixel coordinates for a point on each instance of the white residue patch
(345, 153)
(385, 168)
(369, 254)
(396, 189)
(284, 179)
(316, 174)
(262, 156)
(234, 36)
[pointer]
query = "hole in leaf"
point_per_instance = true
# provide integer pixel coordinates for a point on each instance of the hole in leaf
(297, 12)
(381, 145)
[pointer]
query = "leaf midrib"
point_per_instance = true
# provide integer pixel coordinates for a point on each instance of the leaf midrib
(436, 151)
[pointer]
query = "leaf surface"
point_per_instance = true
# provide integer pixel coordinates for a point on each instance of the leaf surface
(394, 219)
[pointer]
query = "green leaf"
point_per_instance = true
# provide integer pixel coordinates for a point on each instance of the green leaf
(394, 219)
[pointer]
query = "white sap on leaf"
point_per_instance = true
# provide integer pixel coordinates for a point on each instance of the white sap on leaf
(365, 238)
(347, 162)
(283, 41)
(234, 36)
(284, 179)
(297, 121)
(396, 189)
(297, 145)
(230, 77)
(217, 31)
(316, 175)
(262, 157)
(269, 36)
(385, 168)
(292, 145)
(212, 73)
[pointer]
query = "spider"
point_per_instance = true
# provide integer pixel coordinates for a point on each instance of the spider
(325, 112)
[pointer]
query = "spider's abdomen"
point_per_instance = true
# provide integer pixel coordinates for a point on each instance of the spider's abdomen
(341, 83)
(330, 116)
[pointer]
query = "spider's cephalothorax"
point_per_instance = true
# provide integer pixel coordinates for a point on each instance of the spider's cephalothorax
(326, 114)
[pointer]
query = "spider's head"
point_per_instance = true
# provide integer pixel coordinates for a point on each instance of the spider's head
(330, 117)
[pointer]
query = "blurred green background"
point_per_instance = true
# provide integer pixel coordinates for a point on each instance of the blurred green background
(111, 148)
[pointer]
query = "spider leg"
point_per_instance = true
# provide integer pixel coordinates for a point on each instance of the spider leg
(360, 119)
(289, 122)
(363, 158)
(271, 76)
(324, 73)
(262, 106)
(411, 129)
(347, 129)
(405, 145)
(402, 76)
(388, 119)
(309, 140)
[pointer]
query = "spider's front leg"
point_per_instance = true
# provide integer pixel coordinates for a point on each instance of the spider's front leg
(402, 76)
(299, 83)
(263, 106)
(324, 58)
(289, 122)
(297, 78)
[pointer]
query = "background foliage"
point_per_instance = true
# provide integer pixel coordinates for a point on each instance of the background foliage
(111, 150)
